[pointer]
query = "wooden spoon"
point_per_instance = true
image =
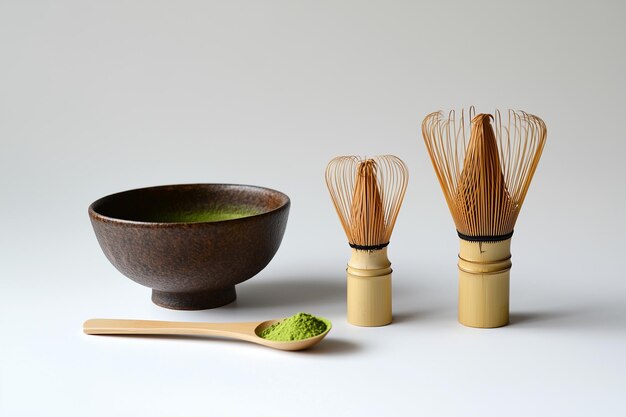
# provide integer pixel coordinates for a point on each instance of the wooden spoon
(250, 332)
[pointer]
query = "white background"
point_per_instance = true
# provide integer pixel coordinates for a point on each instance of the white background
(102, 96)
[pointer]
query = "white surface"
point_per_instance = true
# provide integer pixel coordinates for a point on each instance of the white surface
(97, 97)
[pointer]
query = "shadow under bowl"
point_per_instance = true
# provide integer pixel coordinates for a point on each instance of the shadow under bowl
(191, 243)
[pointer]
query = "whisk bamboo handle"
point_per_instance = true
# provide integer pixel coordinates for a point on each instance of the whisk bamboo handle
(484, 269)
(369, 288)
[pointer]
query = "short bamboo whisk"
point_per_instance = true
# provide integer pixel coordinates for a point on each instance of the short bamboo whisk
(484, 179)
(367, 194)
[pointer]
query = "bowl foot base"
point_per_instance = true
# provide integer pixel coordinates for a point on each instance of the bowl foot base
(200, 300)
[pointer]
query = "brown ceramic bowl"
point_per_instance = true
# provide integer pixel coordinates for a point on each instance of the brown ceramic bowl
(191, 243)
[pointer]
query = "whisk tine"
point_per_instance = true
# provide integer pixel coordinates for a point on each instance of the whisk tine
(484, 179)
(367, 195)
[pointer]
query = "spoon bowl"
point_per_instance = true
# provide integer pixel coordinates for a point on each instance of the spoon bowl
(248, 331)
(291, 344)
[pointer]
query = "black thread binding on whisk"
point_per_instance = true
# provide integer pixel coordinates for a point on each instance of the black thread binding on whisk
(484, 238)
(373, 247)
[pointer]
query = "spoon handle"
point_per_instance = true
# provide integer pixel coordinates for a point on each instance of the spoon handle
(244, 331)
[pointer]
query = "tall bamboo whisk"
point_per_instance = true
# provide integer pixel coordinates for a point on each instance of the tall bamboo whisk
(485, 172)
(367, 194)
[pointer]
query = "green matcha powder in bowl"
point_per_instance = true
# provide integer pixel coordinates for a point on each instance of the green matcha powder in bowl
(297, 327)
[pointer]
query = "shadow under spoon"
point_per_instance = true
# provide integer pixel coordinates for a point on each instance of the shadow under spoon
(249, 331)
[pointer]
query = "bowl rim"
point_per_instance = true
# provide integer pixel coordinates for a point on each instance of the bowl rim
(101, 217)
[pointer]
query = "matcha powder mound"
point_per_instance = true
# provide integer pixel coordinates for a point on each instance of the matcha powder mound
(297, 327)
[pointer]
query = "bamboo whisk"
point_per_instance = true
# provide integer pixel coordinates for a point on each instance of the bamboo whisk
(484, 179)
(367, 195)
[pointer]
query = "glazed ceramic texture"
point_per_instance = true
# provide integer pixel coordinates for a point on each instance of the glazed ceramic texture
(191, 265)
